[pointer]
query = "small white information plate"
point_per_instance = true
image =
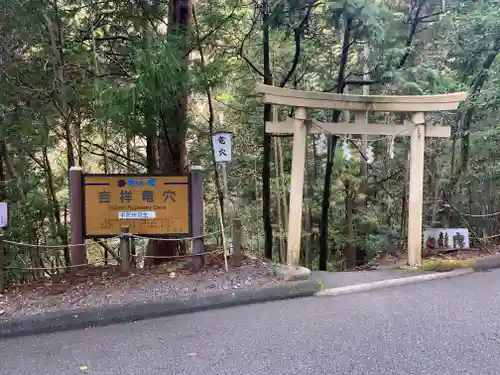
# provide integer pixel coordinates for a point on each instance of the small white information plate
(4, 215)
(137, 215)
(222, 144)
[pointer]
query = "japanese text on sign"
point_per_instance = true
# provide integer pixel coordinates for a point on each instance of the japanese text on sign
(222, 145)
(147, 205)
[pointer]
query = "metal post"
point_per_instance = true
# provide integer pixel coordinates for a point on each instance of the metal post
(197, 218)
(2, 263)
(78, 253)
(237, 242)
(125, 250)
(227, 214)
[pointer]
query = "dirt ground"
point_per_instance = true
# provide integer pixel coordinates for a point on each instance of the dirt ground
(99, 286)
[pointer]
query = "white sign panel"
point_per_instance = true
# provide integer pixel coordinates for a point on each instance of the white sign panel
(4, 215)
(137, 215)
(446, 238)
(221, 142)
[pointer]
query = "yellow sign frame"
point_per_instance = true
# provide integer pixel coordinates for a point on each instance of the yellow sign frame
(145, 216)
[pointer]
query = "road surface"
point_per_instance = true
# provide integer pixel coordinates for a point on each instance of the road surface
(438, 327)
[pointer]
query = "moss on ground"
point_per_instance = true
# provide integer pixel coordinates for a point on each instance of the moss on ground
(447, 264)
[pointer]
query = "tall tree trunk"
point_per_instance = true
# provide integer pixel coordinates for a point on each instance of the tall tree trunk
(466, 117)
(151, 153)
(278, 199)
(332, 144)
(360, 208)
(211, 122)
(61, 230)
(266, 168)
(173, 122)
(350, 248)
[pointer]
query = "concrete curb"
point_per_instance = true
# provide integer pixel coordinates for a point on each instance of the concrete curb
(392, 282)
(101, 316)
(487, 263)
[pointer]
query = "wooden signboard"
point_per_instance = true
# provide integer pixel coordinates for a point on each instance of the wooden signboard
(148, 205)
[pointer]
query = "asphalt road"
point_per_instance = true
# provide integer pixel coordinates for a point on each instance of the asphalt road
(439, 327)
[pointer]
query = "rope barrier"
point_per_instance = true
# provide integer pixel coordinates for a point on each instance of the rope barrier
(178, 239)
(113, 238)
(100, 262)
(489, 237)
(320, 127)
(176, 256)
(481, 215)
(438, 201)
(52, 246)
(52, 268)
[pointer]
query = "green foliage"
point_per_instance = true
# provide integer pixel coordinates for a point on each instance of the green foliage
(106, 76)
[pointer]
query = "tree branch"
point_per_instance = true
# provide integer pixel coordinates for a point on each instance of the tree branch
(413, 29)
(103, 38)
(106, 247)
(240, 51)
(114, 153)
(200, 40)
(297, 36)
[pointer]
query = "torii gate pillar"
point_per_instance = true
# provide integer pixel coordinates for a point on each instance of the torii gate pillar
(416, 190)
(299, 155)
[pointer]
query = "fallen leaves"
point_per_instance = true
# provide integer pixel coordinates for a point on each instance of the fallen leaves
(105, 286)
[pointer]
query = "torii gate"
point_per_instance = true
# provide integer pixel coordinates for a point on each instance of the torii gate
(300, 126)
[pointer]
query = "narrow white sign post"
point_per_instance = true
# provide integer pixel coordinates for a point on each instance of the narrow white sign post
(222, 146)
(4, 223)
(4, 215)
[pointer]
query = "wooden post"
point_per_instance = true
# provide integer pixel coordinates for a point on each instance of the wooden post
(2, 264)
(297, 187)
(78, 253)
(416, 190)
(237, 242)
(227, 214)
(133, 254)
(197, 218)
(125, 250)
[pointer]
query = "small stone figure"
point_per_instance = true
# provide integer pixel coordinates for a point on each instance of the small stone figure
(440, 241)
(458, 241)
(431, 242)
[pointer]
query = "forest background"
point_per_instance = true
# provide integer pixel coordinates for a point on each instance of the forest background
(139, 86)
